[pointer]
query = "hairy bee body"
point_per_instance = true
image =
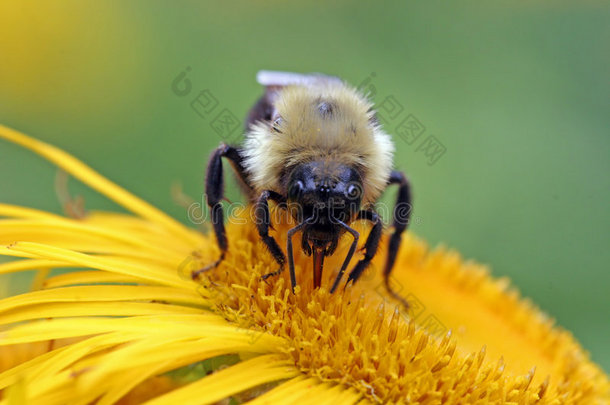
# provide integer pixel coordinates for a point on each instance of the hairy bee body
(313, 146)
(327, 121)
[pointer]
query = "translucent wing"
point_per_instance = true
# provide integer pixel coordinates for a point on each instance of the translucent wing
(271, 78)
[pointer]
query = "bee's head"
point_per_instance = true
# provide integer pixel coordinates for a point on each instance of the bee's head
(324, 192)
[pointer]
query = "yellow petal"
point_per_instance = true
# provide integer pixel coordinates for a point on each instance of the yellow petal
(229, 381)
(88, 277)
(79, 233)
(90, 177)
(102, 293)
(34, 264)
(301, 390)
(16, 394)
(53, 361)
(131, 380)
(69, 309)
(154, 273)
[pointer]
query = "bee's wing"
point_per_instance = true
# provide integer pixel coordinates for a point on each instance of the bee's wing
(263, 110)
(270, 78)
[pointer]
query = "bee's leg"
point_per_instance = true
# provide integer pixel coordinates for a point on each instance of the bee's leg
(263, 222)
(370, 246)
(291, 232)
(348, 258)
(401, 216)
(214, 190)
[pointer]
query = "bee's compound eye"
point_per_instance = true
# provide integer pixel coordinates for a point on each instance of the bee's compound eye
(296, 189)
(353, 191)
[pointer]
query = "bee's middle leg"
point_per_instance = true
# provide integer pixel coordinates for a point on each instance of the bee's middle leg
(370, 246)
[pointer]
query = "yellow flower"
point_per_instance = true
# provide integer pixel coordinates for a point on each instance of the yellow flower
(128, 323)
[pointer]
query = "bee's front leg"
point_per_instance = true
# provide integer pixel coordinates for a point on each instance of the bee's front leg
(349, 256)
(214, 190)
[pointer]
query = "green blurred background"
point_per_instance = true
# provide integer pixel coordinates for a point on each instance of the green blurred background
(516, 92)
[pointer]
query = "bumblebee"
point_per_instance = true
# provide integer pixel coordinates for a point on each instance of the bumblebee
(314, 146)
